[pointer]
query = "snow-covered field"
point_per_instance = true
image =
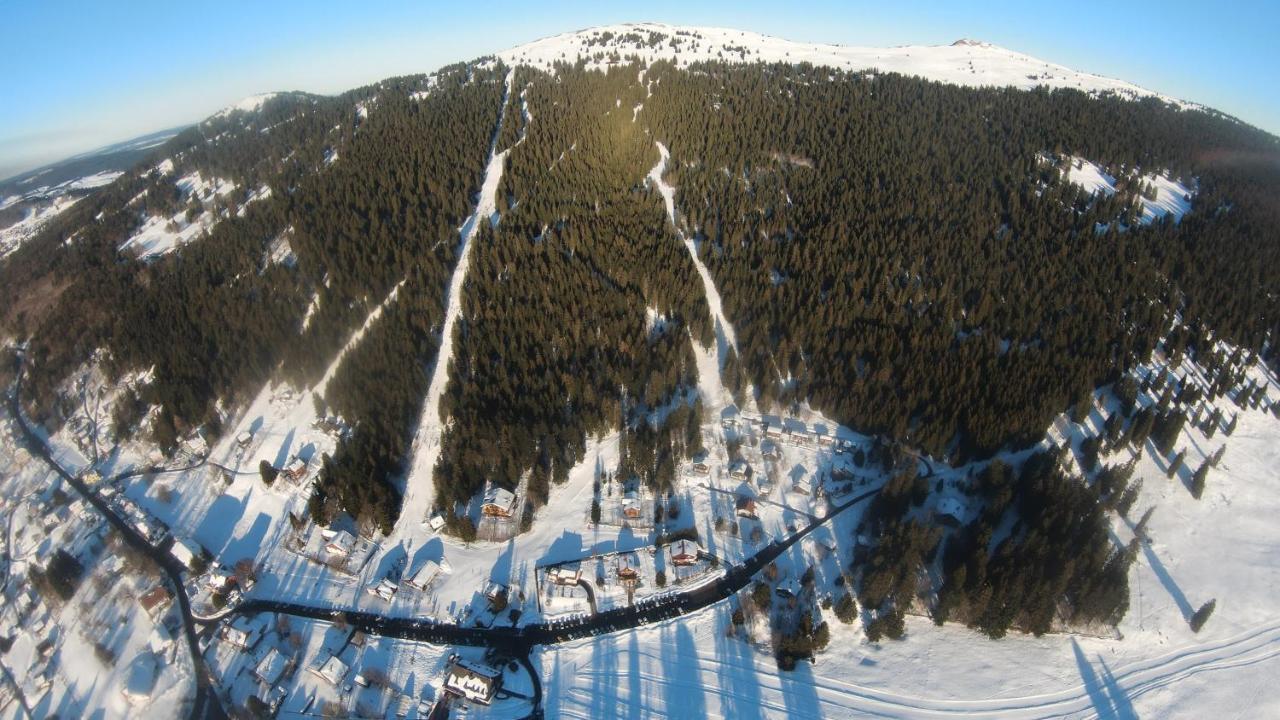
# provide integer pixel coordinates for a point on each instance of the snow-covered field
(161, 235)
(965, 62)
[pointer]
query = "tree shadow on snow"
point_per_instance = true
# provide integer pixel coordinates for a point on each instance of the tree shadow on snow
(1109, 699)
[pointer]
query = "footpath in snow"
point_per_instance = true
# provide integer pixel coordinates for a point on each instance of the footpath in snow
(419, 489)
(714, 394)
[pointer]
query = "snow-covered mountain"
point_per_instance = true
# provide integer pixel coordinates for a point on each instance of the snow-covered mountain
(965, 62)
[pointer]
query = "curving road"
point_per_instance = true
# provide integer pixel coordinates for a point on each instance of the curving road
(206, 703)
(517, 642)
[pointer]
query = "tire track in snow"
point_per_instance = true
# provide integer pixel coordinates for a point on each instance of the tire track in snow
(419, 485)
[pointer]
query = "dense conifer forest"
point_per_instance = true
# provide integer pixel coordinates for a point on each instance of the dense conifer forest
(904, 256)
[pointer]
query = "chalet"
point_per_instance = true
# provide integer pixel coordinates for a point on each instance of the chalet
(218, 580)
(566, 574)
(700, 467)
(683, 552)
(339, 542)
(499, 502)
(949, 511)
(330, 669)
(825, 441)
(745, 507)
(421, 579)
(801, 438)
(243, 634)
(495, 593)
(436, 522)
(473, 681)
(627, 566)
(385, 589)
(631, 505)
(272, 667)
(156, 601)
(185, 551)
(801, 485)
(788, 587)
(771, 451)
(739, 470)
(774, 432)
(296, 470)
(244, 438)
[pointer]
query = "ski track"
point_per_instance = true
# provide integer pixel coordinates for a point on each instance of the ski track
(354, 339)
(842, 697)
(419, 485)
(714, 394)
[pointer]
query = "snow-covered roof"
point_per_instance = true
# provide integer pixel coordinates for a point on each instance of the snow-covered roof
(501, 498)
(271, 667)
(341, 542)
(184, 551)
(683, 548)
(474, 681)
(425, 574)
(331, 669)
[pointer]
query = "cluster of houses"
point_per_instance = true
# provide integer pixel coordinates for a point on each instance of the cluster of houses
(144, 523)
(618, 576)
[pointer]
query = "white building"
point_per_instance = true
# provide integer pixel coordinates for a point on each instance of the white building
(424, 575)
(330, 669)
(339, 542)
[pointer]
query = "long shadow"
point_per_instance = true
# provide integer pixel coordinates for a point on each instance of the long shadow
(799, 692)
(636, 694)
(1092, 685)
(1184, 606)
(1119, 698)
(248, 545)
(682, 675)
(282, 455)
(220, 521)
(740, 685)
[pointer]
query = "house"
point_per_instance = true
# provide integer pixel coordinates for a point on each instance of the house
(566, 574)
(185, 551)
(825, 441)
(773, 432)
(495, 593)
(739, 470)
(339, 542)
(771, 451)
(424, 575)
(272, 667)
(473, 681)
(631, 505)
(745, 507)
(296, 470)
(789, 587)
(156, 601)
(949, 511)
(801, 485)
(499, 502)
(330, 669)
(385, 589)
(218, 580)
(142, 678)
(700, 467)
(244, 438)
(436, 522)
(683, 552)
(627, 566)
(243, 634)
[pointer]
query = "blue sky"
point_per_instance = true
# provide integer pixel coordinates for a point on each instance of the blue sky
(79, 75)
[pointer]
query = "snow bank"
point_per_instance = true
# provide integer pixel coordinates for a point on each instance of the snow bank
(966, 62)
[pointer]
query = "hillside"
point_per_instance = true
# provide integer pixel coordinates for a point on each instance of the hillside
(639, 284)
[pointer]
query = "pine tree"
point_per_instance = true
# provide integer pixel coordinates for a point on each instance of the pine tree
(1201, 616)
(1176, 464)
(1197, 480)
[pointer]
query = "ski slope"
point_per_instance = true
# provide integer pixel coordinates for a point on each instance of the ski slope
(965, 62)
(419, 489)
(715, 397)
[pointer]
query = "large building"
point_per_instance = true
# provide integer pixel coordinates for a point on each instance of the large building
(499, 502)
(474, 681)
